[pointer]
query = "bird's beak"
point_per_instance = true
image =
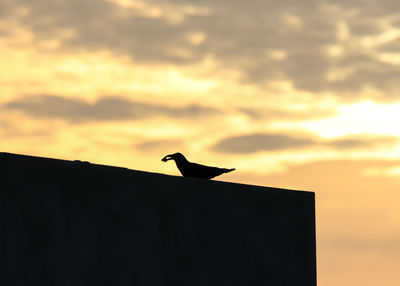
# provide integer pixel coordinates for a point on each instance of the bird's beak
(166, 158)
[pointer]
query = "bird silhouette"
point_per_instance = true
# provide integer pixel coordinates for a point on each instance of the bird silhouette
(189, 169)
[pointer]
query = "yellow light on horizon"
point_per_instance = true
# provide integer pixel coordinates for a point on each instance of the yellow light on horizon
(366, 117)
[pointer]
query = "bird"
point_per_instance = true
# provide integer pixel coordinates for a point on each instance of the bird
(189, 169)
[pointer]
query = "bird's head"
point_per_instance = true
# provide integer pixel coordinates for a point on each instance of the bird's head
(176, 156)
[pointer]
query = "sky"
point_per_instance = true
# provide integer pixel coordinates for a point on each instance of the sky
(294, 94)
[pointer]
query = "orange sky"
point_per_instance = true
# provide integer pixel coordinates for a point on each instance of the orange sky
(297, 94)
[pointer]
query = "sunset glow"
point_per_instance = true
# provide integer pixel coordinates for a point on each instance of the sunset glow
(295, 95)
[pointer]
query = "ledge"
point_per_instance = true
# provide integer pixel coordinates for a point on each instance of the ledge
(76, 223)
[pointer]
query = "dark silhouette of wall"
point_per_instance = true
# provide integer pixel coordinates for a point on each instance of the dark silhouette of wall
(75, 223)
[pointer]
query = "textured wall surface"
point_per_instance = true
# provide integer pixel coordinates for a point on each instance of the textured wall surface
(75, 223)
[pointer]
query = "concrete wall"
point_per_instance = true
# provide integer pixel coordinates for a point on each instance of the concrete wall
(74, 223)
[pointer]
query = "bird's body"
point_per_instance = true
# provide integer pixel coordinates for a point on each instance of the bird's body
(189, 169)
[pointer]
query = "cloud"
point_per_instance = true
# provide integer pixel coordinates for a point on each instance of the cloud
(353, 143)
(239, 35)
(261, 142)
(159, 145)
(257, 142)
(273, 114)
(104, 109)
